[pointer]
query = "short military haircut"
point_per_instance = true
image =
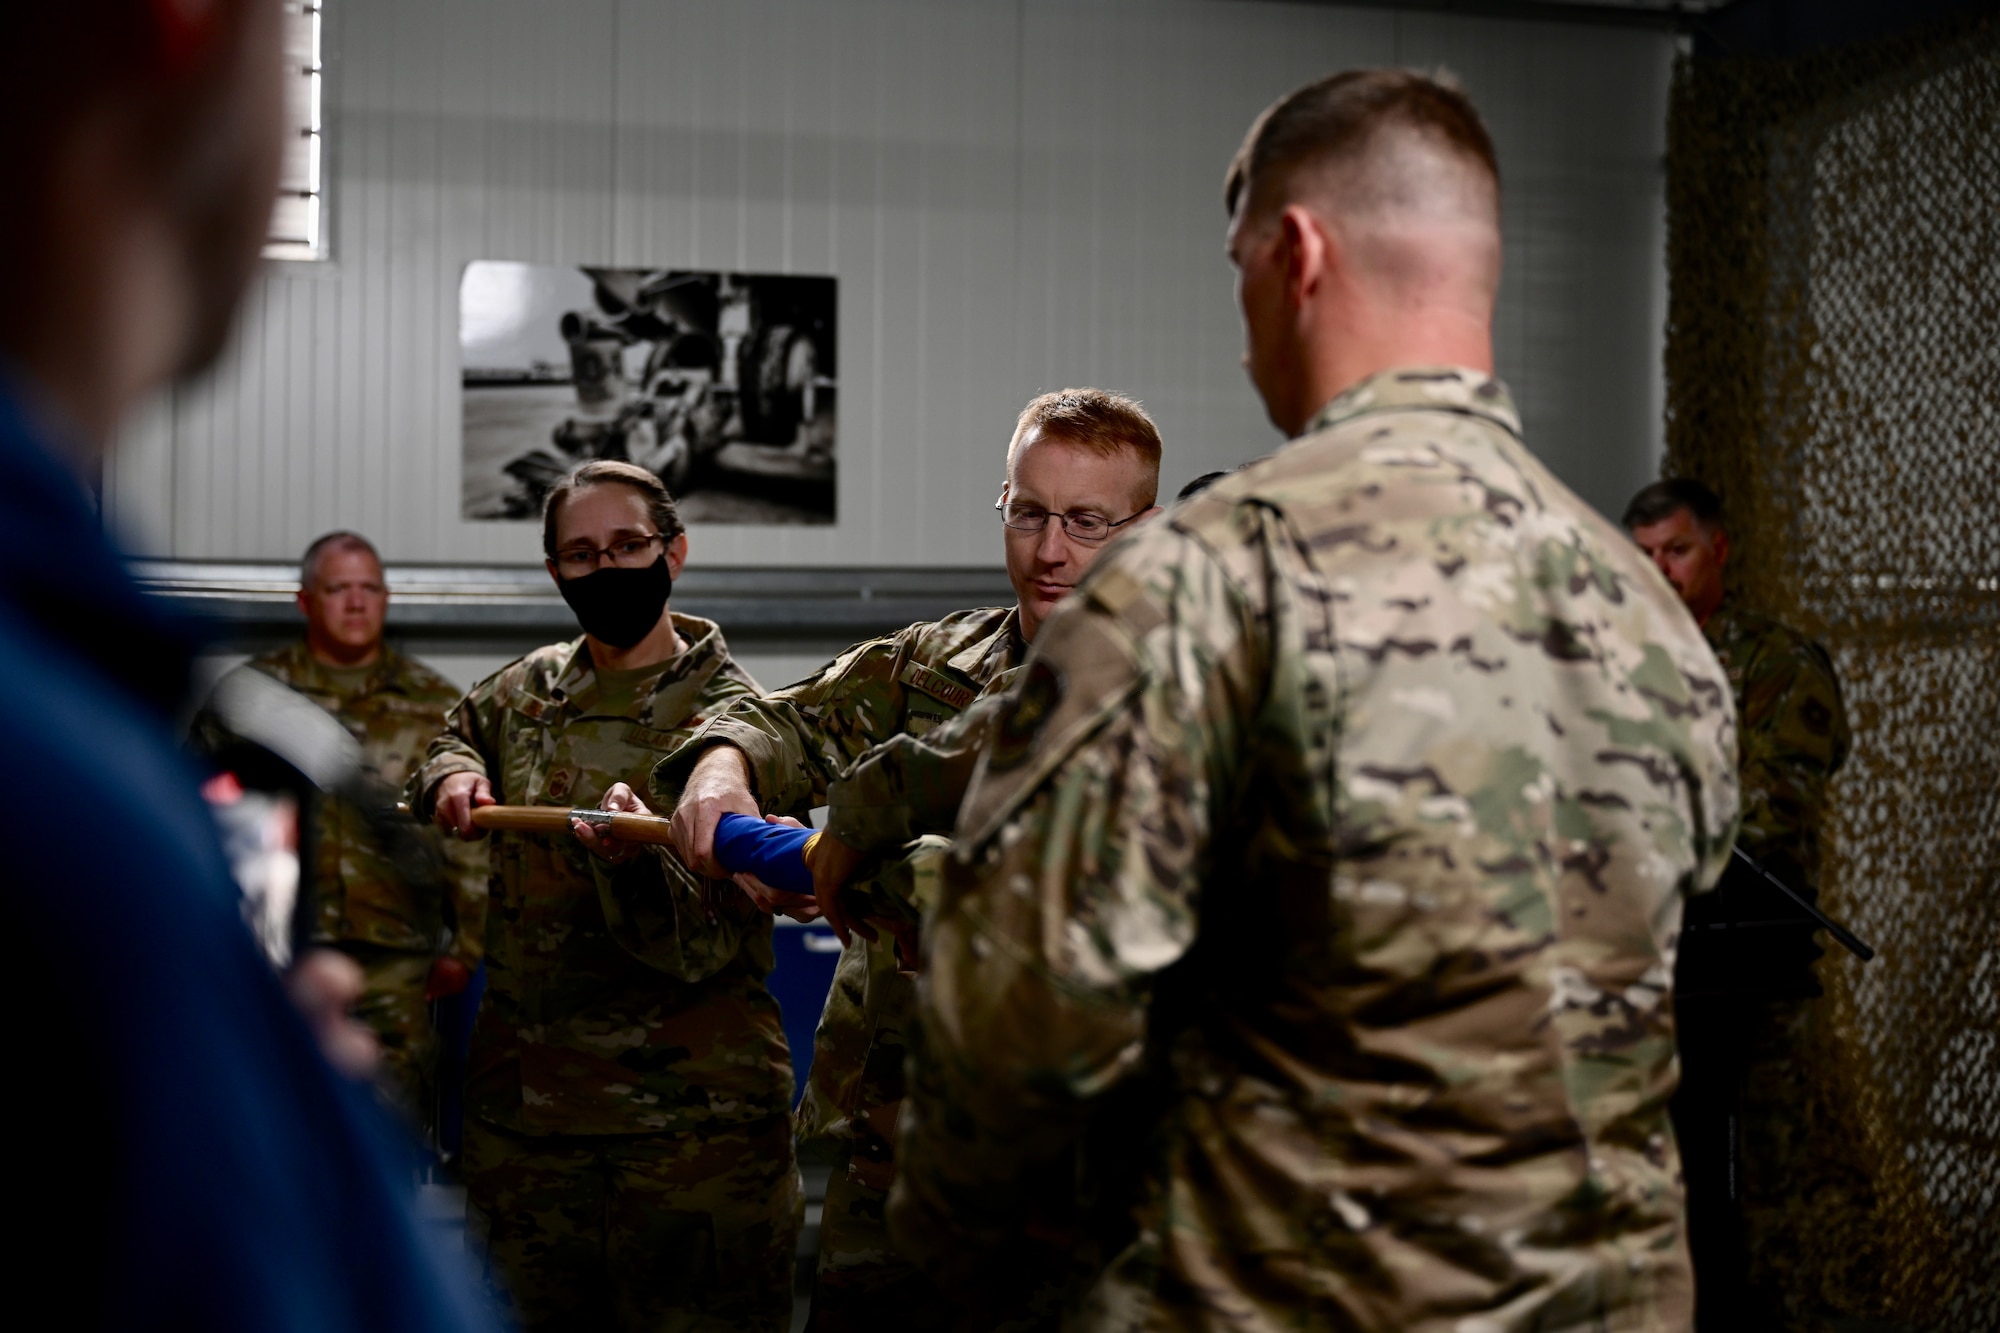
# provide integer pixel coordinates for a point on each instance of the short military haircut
(340, 539)
(1094, 419)
(606, 471)
(1335, 127)
(1663, 499)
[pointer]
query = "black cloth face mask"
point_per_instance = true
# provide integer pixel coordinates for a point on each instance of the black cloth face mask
(619, 606)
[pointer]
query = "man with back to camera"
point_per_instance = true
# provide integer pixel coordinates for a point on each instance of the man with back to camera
(628, 1149)
(1304, 951)
(1744, 1011)
(369, 908)
(195, 1161)
(885, 735)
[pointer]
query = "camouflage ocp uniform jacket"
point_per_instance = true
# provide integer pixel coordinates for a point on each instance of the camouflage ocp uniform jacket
(1792, 734)
(617, 1002)
(364, 898)
(861, 735)
(1311, 918)
(1792, 738)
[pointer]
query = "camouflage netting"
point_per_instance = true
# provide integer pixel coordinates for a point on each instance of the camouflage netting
(1833, 367)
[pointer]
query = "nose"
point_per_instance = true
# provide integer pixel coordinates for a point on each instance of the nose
(1053, 545)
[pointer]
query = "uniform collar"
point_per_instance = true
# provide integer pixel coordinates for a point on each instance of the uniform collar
(683, 677)
(1427, 388)
(983, 659)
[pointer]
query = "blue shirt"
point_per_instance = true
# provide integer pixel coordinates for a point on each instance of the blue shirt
(183, 1144)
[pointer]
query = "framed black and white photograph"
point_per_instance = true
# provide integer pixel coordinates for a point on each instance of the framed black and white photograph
(721, 384)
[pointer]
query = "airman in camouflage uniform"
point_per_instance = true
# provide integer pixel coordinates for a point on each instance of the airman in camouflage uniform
(1747, 967)
(1304, 951)
(626, 1022)
(799, 741)
(886, 735)
(1792, 737)
(628, 1149)
(367, 908)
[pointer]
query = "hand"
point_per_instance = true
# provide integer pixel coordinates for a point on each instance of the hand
(602, 842)
(909, 946)
(797, 906)
(448, 977)
(323, 983)
(458, 795)
(718, 786)
(833, 864)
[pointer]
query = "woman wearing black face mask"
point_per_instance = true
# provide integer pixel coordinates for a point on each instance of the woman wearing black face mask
(628, 1139)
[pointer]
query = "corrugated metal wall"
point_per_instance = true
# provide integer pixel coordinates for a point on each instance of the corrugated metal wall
(1015, 196)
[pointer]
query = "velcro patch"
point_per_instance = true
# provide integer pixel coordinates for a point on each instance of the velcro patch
(938, 685)
(1083, 675)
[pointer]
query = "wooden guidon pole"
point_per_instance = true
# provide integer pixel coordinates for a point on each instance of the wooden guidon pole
(555, 819)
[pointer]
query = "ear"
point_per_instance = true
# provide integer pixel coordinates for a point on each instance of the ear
(300, 598)
(550, 565)
(1307, 251)
(677, 554)
(1721, 544)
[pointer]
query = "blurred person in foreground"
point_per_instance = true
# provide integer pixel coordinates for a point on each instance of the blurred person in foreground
(393, 925)
(195, 1161)
(885, 735)
(1745, 981)
(628, 1141)
(1304, 954)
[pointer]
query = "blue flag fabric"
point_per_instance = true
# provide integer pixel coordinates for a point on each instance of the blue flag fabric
(774, 853)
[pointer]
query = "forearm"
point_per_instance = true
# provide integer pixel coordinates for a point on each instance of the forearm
(911, 786)
(778, 748)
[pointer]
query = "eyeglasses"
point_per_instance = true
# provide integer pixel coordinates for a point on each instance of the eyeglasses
(1081, 524)
(626, 553)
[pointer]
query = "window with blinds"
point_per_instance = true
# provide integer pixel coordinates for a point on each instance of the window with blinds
(298, 223)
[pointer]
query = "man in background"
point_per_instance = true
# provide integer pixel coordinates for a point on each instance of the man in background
(369, 907)
(1745, 973)
(193, 1160)
(1303, 952)
(885, 734)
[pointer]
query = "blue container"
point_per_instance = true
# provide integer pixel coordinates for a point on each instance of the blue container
(806, 958)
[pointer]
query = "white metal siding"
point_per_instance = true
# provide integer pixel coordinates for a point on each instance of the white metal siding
(1015, 197)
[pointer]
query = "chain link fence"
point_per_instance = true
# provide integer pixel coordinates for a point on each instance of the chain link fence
(1833, 369)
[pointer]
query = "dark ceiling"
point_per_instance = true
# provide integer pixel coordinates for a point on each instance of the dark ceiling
(1719, 27)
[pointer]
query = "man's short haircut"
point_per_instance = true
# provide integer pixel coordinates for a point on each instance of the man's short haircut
(606, 471)
(340, 539)
(1663, 499)
(1335, 122)
(1094, 419)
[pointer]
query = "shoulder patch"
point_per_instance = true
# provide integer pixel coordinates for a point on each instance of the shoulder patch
(936, 684)
(1084, 671)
